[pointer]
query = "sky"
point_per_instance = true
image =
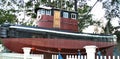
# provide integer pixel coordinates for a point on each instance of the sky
(97, 11)
(98, 14)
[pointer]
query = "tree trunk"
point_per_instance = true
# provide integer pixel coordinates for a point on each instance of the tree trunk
(75, 5)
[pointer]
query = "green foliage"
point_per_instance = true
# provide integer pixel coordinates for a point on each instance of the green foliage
(84, 18)
(7, 16)
(37, 5)
(84, 22)
(118, 34)
(52, 4)
(69, 4)
(84, 10)
(111, 11)
(108, 28)
(115, 1)
(33, 15)
(44, 1)
(29, 4)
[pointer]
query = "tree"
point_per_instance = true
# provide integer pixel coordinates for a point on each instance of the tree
(112, 10)
(7, 12)
(84, 19)
(69, 5)
(84, 16)
(7, 16)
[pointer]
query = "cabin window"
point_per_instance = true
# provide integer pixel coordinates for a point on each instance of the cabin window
(65, 14)
(38, 12)
(73, 16)
(48, 12)
(42, 11)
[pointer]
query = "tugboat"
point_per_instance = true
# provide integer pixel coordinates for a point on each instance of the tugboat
(56, 31)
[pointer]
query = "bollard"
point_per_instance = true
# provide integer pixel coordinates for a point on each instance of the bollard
(90, 50)
(26, 51)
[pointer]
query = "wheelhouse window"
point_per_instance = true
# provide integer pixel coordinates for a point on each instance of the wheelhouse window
(73, 16)
(65, 14)
(42, 11)
(48, 12)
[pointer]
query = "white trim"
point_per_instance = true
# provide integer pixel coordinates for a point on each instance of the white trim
(60, 32)
(45, 7)
(73, 14)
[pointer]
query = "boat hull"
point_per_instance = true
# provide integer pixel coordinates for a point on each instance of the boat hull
(45, 45)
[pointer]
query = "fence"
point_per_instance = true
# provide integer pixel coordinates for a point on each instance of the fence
(35, 56)
(20, 56)
(90, 50)
(108, 57)
(26, 54)
(85, 57)
(71, 57)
